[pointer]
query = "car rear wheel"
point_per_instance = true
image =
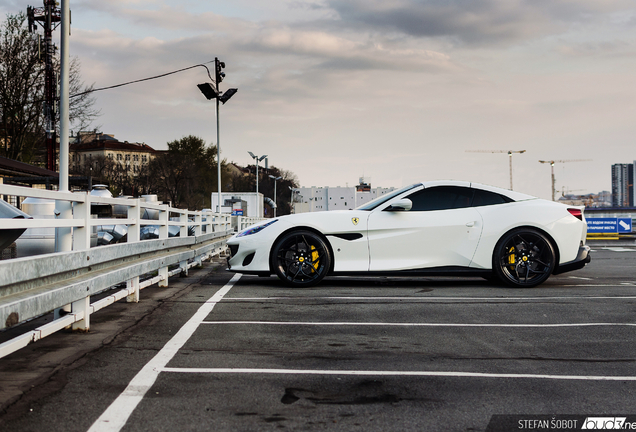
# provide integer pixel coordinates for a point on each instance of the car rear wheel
(524, 258)
(301, 258)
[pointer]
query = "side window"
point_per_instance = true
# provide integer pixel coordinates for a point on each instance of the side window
(486, 198)
(441, 198)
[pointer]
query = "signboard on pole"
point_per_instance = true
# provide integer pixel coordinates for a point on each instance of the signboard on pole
(624, 225)
(609, 225)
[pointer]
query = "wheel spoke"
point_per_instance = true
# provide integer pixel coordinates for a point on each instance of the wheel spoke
(539, 249)
(523, 241)
(541, 262)
(297, 273)
(536, 272)
(307, 275)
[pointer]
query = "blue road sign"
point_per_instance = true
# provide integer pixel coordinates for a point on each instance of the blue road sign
(609, 225)
(602, 225)
(624, 225)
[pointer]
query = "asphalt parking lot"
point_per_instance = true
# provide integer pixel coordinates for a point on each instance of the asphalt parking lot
(368, 354)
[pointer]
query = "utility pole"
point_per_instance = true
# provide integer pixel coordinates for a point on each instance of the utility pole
(49, 18)
(510, 152)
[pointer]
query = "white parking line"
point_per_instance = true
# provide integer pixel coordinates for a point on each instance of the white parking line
(396, 373)
(381, 324)
(423, 298)
(116, 415)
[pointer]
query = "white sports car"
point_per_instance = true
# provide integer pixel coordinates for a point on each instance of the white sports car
(448, 228)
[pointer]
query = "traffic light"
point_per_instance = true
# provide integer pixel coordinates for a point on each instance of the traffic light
(219, 70)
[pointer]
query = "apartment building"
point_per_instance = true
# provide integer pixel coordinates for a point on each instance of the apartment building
(87, 147)
(316, 199)
(623, 192)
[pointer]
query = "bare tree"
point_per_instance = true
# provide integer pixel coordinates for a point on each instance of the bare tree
(22, 93)
(81, 110)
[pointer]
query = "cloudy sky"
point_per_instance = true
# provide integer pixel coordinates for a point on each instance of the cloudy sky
(397, 91)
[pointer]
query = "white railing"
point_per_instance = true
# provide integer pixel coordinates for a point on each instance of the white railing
(243, 222)
(65, 281)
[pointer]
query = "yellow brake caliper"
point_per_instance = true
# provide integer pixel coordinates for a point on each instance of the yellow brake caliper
(511, 257)
(314, 257)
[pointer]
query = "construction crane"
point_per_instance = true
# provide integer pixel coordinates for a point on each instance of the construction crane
(552, 162)
(565, 191)
(510, 152)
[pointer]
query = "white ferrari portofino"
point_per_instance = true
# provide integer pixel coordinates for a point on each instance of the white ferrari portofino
(432, 228)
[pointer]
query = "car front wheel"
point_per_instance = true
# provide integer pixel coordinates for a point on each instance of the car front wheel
(301, 258)
(524, 258)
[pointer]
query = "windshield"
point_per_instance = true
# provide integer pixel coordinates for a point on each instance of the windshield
(384, 198)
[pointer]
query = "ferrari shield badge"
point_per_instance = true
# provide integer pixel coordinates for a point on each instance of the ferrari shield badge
(355, 220)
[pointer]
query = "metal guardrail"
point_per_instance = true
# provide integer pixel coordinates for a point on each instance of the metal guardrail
(65, 281)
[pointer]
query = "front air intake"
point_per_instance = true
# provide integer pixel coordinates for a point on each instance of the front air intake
(248, 259)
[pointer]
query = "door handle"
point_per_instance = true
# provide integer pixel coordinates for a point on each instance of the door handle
(470, 224)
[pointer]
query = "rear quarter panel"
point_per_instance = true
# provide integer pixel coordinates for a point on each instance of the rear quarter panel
(547, 216)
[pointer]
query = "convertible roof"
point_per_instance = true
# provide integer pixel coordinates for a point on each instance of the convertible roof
(516, 196)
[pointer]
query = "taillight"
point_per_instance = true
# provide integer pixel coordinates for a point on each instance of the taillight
(577, 213)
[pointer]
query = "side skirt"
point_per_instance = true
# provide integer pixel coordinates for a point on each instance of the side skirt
(436, 271)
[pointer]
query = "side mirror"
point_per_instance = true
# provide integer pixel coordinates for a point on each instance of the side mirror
(403, 204)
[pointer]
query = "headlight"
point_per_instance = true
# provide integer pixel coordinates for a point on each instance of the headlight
(254, 230)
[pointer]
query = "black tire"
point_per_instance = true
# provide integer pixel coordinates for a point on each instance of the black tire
(524, 258)
(301, 258)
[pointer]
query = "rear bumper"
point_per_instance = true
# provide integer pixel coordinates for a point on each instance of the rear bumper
(582, 258)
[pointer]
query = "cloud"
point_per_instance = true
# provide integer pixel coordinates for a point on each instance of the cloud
(467, 22)
(334, 52)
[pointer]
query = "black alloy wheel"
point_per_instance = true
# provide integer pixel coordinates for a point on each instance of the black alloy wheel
(524, 258)
(301, 258)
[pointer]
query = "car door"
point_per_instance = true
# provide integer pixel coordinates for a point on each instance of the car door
(441, 229)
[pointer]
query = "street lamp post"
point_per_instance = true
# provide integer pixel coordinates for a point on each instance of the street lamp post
(214, 93)
(275, 180)
(291, 203)
(257, 159)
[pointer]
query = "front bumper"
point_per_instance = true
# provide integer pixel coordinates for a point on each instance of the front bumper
(582, 258)
(246, 258)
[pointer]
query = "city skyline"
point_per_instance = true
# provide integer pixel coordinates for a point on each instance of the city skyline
(398, 92)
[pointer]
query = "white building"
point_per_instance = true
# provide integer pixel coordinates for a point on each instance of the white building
(316, 199)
